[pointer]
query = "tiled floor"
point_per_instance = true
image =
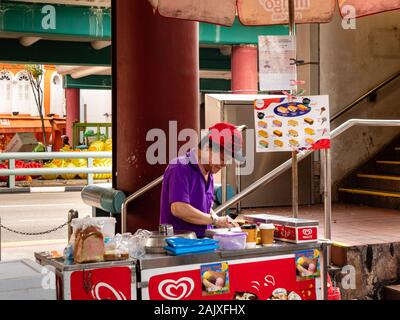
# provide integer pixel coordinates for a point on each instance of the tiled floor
(351, 225)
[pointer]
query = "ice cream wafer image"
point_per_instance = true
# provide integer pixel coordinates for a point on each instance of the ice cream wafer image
(293, 133)
(302, 107)
(263, 124)
(309, 121)
(293, 123)
(283, 110)
(264, 143)
(278, 143)
(277, 123)
(278, 133)
(263, 134)
(309, 131)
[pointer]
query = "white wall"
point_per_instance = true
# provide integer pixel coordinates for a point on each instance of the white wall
(98, 104)
(352, 62)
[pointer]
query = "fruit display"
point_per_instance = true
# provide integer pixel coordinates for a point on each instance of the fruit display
(96, 146)
(19, 164)
(102, 163)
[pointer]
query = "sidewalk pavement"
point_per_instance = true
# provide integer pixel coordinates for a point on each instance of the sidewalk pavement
(25, 250)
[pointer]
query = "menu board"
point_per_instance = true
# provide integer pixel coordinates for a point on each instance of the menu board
(277, 71)
(283, 124)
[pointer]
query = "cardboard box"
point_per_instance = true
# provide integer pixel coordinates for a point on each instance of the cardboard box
(22, 142)
(289, 229)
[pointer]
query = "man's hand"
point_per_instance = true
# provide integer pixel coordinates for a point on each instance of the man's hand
(225, 222)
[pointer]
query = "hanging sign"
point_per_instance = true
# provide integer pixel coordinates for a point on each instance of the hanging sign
(277, 71)
(288, 124)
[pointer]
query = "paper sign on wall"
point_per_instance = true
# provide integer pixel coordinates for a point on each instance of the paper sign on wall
(299, 124)
(276, 69)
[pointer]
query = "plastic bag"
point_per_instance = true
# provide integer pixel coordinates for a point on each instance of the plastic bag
(87, 241)
(117, 248)
(137, 243)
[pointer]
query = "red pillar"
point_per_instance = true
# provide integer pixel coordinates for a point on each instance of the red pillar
(157, 81)
(72, 99)
(245, 69)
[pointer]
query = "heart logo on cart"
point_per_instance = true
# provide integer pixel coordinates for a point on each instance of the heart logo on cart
(176, 290)
(307, 232)
(96, 295)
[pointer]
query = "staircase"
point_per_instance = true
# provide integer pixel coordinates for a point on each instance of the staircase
(376, 183)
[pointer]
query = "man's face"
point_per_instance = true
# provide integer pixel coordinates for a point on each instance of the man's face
(214, 160)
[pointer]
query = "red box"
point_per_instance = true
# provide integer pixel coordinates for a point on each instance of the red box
(289, 229)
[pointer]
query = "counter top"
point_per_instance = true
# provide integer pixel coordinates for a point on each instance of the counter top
(63, 265)
(152, 261)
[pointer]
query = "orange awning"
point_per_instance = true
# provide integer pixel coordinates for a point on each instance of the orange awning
(265, 12)
(368, 7)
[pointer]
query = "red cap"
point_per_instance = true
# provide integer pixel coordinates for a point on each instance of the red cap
(229, 138)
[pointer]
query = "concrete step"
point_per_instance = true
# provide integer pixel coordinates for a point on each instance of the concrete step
(388, 167)
(370, 197)
(379, 182)
(391, 292)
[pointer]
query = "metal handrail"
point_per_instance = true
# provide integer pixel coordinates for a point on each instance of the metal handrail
(146, 188)
(135, 195)
(366, 95)
(288, 164)
(12, 171)
(53, 155)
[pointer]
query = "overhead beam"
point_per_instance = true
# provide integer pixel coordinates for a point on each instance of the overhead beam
(92, 3)
(54, 52)
(54, 21)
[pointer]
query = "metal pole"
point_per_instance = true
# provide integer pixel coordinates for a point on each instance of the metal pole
(11, 179)
(90, 176)
(242, 129)
(324, 275)
(295, 185)
(238, 185)
(223, 185)
(0, 238)
(292, 21)
(295, 175)
(72, 214)
(327, 199)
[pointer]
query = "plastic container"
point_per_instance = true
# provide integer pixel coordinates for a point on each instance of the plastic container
(231, 240)
(251, 230)
(108, 223)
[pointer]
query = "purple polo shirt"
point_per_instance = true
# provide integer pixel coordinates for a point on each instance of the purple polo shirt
(184, 182)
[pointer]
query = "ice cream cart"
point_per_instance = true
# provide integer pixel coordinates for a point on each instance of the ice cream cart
(263, 273)
(91, 281)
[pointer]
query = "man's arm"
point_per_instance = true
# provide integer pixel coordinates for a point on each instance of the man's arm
(188, 213)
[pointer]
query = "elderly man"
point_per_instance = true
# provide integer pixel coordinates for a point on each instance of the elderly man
(187, 193)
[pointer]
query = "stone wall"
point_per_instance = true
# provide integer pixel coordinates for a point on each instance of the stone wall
(375, 266)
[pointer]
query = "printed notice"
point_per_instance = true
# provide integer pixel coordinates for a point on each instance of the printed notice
(277, 71)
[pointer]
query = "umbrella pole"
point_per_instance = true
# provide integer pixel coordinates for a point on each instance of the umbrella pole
(295, 174)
